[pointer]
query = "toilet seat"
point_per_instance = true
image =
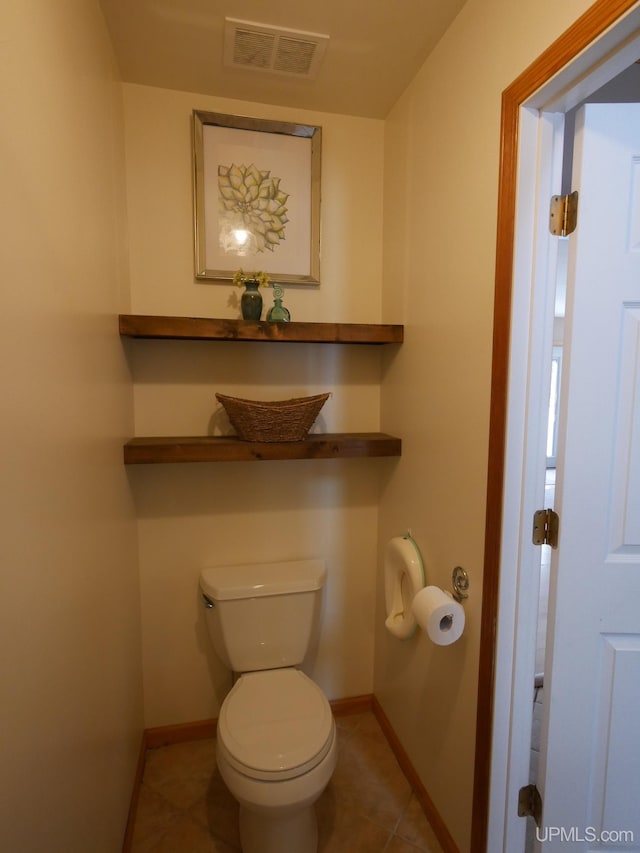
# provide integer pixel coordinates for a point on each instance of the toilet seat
(403, 580)
(275, 724)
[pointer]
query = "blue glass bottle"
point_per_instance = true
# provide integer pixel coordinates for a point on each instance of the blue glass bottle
(278, 313)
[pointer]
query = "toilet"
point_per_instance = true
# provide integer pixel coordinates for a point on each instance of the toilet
(276, 741)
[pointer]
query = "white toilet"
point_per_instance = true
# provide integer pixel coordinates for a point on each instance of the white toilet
(276, 742)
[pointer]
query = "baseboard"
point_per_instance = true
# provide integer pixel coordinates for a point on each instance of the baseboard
(352, 705)
(433, 815)
(201, 729)
(181, 733)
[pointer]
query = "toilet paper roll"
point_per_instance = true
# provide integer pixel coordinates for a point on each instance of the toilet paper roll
(439, 615)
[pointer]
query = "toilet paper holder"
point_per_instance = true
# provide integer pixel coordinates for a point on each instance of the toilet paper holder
(460, 583)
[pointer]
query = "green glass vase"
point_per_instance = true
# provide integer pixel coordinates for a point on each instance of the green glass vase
(251, 301)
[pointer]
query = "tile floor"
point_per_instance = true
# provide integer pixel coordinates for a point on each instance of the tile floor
(368, 806)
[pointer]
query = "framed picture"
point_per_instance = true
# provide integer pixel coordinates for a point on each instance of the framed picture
(256, 197)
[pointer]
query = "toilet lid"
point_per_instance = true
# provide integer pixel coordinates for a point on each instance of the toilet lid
(275, 724)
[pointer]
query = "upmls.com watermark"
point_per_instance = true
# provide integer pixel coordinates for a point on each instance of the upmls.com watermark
(588, 833)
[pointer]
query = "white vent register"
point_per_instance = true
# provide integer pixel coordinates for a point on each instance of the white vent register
(261, 47)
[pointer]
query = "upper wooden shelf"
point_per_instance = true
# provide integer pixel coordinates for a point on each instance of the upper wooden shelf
(205, 329)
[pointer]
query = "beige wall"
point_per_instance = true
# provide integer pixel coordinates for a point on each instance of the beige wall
(441, 173)
(193, 516)
(71, 709)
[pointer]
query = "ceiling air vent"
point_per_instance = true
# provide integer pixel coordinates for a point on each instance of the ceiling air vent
(265, 48)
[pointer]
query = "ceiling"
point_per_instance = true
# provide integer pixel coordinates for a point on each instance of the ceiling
(375, 48)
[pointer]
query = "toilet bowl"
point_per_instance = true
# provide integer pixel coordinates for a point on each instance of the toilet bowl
(276, 751)
(276, 743)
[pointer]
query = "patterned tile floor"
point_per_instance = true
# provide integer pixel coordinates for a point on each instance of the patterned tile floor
(368, 807)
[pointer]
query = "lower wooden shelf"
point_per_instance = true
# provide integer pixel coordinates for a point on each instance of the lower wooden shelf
(341, 445)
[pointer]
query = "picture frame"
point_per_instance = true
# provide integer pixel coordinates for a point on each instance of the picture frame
(256, 198)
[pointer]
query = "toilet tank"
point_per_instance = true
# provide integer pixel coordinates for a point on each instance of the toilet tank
(262, 616)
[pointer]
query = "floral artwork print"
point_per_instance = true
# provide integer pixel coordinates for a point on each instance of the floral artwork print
(251, 199)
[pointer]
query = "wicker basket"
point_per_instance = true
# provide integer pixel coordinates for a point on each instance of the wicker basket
(277, 420)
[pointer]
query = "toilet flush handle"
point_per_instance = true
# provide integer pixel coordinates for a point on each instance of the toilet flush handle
(207, 601)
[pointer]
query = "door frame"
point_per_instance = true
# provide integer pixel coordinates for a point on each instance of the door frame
(595, 48)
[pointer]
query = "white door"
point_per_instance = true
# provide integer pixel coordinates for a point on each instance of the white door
(589, 775)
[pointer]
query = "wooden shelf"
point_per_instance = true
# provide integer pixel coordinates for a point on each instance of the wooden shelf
(201, 328)
(229, 449)
(169, 449)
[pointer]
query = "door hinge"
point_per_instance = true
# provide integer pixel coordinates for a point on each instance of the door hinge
(563, 214)
(530, 803)
(545, 527)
